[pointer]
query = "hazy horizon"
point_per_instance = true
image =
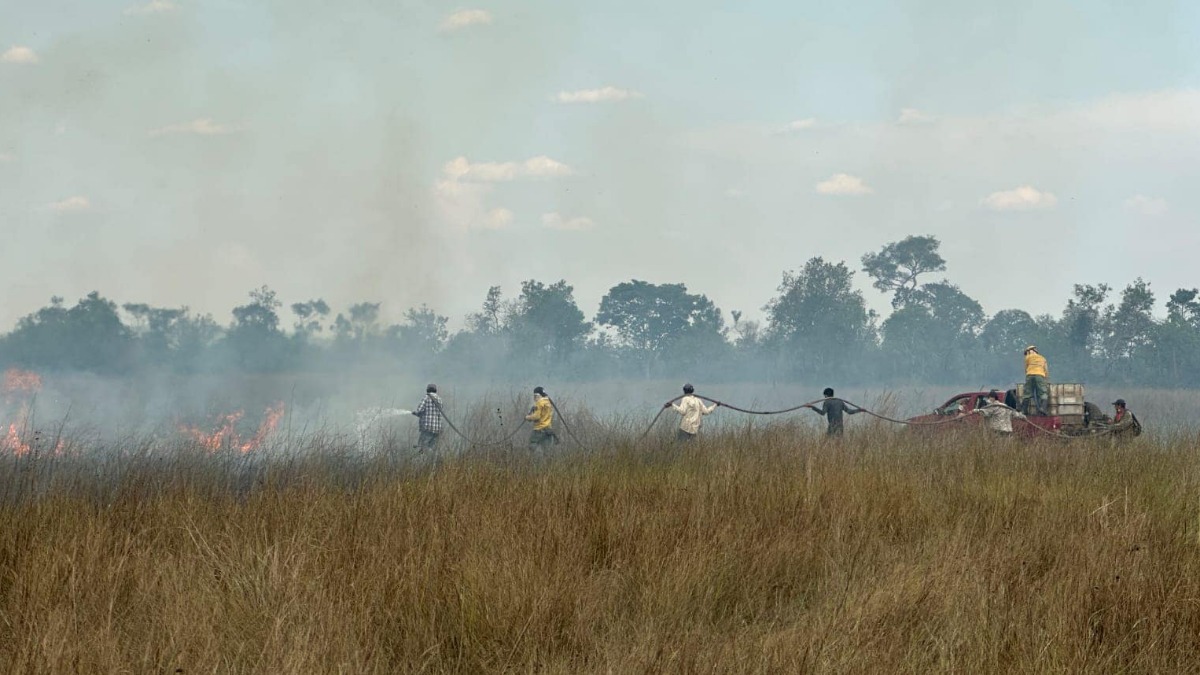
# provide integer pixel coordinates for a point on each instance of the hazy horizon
(183, 153)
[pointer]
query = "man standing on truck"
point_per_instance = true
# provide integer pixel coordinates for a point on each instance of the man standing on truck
(999, 416)
(832, 409)
(1037, 387)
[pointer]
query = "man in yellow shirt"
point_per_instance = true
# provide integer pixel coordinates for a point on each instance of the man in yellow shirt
(542, 416)
(1037, 386)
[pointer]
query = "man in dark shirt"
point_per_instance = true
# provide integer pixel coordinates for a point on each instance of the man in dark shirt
(832, 410)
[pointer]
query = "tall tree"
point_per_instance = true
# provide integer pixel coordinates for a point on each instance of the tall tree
(491, 316)
(156, 329)
(88, 336)
(819, 322)
(546, 323)
(254, 336)
(898, 266)
(310, 317)
(358, 326)
(1129, 328)
(423, 333)
(653, 319)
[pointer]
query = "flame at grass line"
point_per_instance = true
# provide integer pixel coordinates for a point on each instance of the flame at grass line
(21, 382)
(20, 386)
(226, 434)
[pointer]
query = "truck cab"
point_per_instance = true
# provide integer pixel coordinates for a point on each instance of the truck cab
(959, 407)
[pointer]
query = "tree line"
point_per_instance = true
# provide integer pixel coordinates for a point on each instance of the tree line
(816, 328)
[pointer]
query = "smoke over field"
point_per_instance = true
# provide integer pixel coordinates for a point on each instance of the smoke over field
(251, 412)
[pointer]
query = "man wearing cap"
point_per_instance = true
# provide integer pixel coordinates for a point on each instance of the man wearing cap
(691, 413)
(1037, 388)
(430, 414)
(1124, 423)
(542, 416)
(999, 416)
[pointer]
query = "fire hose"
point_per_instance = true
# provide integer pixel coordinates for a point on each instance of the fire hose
(811, 405)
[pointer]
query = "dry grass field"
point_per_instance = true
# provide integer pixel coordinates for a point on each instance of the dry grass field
(764, 550)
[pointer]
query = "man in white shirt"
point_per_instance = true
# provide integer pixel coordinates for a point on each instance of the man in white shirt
(999, 416)
(692, 411)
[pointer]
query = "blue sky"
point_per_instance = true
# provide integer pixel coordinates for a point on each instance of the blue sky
(181, 153)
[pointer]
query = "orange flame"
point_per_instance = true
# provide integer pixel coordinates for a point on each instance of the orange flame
(19, 385)
(226, 434)
(271, 419)
(21, 382)
(13, 443)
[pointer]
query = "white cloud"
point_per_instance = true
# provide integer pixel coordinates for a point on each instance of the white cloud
(19, 55)
(601, 95)
(461, 195)
(796, 126)
(544, 167)
(71, 205)
(555, 221)
(198, 127)
(460, 205)
(466, 17)
(1024, 198)
(460, 168)
(843, 184)
(498, 219)
(152, 7)
(912, 116)
(1147, 206)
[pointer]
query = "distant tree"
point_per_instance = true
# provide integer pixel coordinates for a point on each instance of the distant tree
(310, 317)
(546, 324)
(819, 323)
(898, 266)
(1082, 316)
(359, 326)
(1177, 344)
(749, 333)
(423, 333)
(959, 314)
(935, 334)
(1008, 332)
(195, 338)
(909, 348)
(254, 336)
(1183, 307)
(490, 319)
(89, 336)
(156, 329)
(1129, 328)
(652, 320)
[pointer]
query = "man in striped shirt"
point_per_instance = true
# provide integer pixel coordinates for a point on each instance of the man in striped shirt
(430, 414)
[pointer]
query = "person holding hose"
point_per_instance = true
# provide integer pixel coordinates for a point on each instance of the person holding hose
(1037, 386)
(832, 410)
(430, 415)
(542, 416)
(691, 413)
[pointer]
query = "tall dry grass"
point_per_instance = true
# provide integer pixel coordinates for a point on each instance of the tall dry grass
(757, 550)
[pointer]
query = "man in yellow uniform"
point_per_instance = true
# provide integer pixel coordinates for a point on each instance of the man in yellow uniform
(542, 416)
(1037, 387)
